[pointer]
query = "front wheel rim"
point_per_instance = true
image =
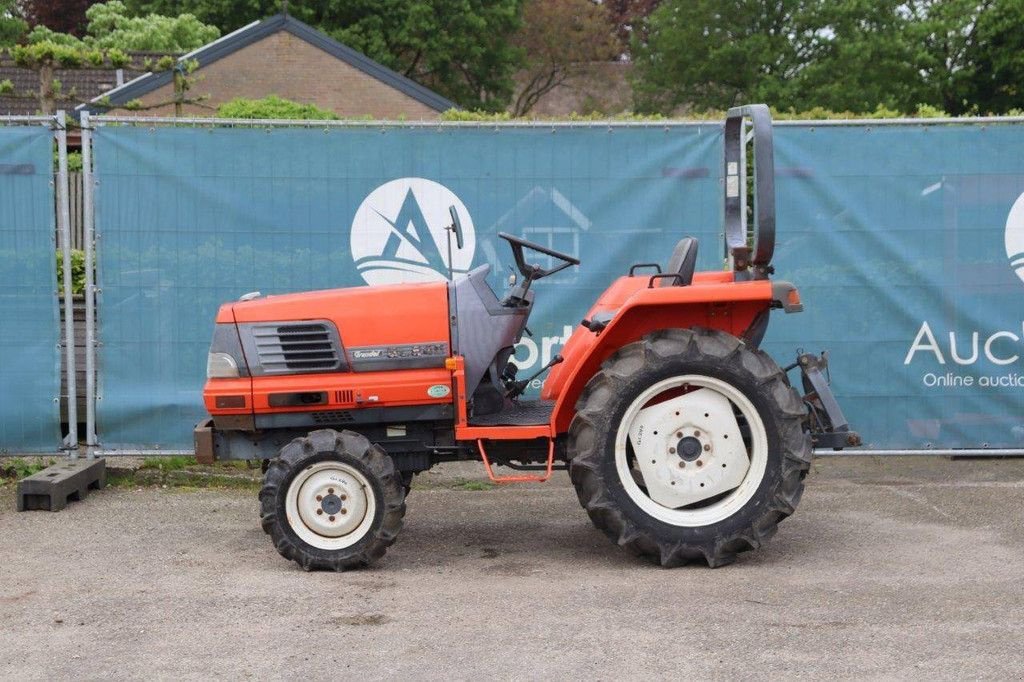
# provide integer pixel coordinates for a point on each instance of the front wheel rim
(683, 450)
(330, 505)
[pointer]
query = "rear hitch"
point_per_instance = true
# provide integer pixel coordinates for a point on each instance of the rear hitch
(828, 425)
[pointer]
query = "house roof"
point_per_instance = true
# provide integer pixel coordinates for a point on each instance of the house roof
(258, 30)
(78, 85)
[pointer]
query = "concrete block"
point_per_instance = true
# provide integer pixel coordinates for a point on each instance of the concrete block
(52, 488)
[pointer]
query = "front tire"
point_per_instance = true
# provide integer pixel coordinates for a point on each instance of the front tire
(650, 455)
(332, 501)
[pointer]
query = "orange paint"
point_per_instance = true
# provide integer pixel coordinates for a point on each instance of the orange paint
(418, 313)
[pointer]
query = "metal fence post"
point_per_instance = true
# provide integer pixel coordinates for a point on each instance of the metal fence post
(64, 223)
(89, 244)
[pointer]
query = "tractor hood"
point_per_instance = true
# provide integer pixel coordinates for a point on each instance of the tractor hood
(375, 316)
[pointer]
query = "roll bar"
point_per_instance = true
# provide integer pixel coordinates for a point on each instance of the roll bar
(753, 261)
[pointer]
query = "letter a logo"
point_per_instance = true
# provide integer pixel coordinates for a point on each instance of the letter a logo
(398, 233)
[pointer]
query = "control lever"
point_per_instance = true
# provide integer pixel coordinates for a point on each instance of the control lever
(519, 387)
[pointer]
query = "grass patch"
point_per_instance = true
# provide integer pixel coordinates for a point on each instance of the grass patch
(176, 463)
(17, 468)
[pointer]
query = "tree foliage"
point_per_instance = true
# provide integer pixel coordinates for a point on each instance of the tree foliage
(713, 54)
(63, 16)
(459, 48)
(856, 55)
(559, 39)
(111, 26)
(12, 23)
(110, 32)
(629, 17)
(273, 107)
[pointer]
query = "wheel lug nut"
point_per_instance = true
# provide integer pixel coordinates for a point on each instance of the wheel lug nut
(330, 491)
(319, 498)
(319, 511)
(707, 447)
(696, 434)
(671, 451)
(330, 518)
(679, 434)
(700, 463)
(682, 464)
(343, 497)
(344, 511)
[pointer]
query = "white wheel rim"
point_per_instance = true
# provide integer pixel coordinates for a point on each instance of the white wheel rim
(330, 505)
(663, 467)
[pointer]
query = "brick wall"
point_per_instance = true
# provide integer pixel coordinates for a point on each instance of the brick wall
(289, 67)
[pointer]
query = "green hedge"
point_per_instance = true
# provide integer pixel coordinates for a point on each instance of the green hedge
(77, 272)
(816, 114)
(273, 107)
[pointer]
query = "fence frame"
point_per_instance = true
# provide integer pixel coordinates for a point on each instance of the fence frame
(91, 123)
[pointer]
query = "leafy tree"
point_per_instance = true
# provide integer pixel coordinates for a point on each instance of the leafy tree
(628, 17)
(559, 39)
(12, 25)
(960, 56)
(63, 16)
(273, 107)
(110, 26)
(460, 48)
(860, 54)
(229, 15)
(44, 58)
(710, 54)
(994, 50)
(109, 33)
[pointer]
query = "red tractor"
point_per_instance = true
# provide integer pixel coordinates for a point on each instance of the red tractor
(684, 441)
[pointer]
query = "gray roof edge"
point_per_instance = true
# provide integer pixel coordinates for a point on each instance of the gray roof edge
(247, 35)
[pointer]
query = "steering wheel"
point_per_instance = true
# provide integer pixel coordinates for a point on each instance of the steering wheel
(535, 272)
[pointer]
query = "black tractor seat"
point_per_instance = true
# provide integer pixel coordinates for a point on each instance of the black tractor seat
(683, 262)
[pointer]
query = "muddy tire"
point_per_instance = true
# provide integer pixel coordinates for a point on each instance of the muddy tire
(332, 501)
(649, 451)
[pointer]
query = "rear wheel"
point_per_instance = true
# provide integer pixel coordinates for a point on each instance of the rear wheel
(332, 500)
(689, 445)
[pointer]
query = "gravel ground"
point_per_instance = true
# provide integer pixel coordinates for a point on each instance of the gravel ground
(896, 568)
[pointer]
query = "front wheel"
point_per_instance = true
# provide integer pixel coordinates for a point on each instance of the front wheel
(332, 500)
(689, 445)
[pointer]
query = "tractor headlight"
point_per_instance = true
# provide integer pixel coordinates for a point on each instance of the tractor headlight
(226, 360)
(221, 366)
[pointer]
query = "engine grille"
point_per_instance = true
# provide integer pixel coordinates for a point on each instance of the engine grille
(297, 348)
(332, 417)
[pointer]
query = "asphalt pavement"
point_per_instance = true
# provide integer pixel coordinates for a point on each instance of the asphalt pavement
(891, 568)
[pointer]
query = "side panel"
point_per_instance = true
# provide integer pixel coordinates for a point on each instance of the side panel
(29, 336)
(355, 390)
(730, 307)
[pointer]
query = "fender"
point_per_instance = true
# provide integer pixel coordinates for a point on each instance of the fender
(633, 308)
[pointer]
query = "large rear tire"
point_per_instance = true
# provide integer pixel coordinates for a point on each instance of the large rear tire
(650, 455)
(332, 501)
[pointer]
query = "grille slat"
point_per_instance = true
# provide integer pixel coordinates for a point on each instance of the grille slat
(332, 417)
(296, 348)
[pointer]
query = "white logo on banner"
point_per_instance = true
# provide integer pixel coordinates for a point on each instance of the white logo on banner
(949, 350)
(1015, 237)
(398, 233)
